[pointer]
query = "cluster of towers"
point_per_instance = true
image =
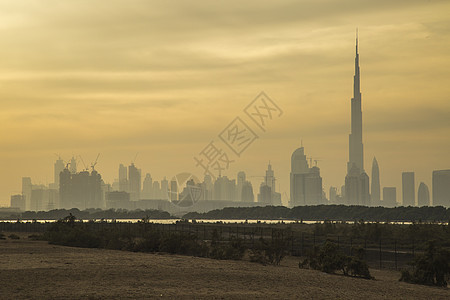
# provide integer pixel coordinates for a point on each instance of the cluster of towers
(87, 190)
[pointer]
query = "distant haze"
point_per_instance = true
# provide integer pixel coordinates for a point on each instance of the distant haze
(164, 78)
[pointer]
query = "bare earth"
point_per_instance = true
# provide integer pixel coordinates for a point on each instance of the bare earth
(34, 269)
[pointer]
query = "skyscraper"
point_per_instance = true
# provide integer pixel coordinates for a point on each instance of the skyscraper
(356, 149)
(147, 187)
(27, 186)
(408, 189)
(441, 188)
(123, 178)
(58, 168)
(356, 181)
(375, 187)
(423, 195)
(73, 165)
(80, 190)
(241, 178)
(306, 183)
(389, 196)
(134, 181)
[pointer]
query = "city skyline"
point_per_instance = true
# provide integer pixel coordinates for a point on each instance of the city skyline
(58, 98)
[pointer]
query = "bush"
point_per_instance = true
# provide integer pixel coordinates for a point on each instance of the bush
(330, 259)
(269, 251)
(431, 268)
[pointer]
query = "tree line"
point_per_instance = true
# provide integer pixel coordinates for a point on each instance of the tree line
(329, 212)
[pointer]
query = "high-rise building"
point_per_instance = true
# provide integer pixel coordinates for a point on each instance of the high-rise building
(273, 198)
(173, 190)
(147, 187)
(408, 189)
(247, 192)
(441, 188)
(27, 186)
(375, 186)
(423, 195)
(208, 187)
(333, 199)
(306, 183)
(241, 178)
(123, 178)
(18, 201)
(164, 191)
(265, 194)
(157, 192)
(389, 196)
(58, 168)
(73, 165)
(356, 181)
(81, 190)
(224, 189)
(134, 182)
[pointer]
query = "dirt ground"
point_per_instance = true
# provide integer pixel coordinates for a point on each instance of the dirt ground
(37, 270)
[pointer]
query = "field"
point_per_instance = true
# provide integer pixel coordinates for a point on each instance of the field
(35, 269)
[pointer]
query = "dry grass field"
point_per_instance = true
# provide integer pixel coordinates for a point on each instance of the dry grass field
(36, 270)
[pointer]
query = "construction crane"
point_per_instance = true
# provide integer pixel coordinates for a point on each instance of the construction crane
(135, 158)
(95, 162)
(85, 166)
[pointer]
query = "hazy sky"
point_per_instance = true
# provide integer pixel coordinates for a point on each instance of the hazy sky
(163, 78)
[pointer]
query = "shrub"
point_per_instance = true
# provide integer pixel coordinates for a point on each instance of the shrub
(430, 268)
(330, 259)
(269, 251)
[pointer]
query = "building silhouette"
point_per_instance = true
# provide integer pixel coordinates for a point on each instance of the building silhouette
(134, 181)
(356, 181)
(73, 165)
(27, 187)
(224, 189)
(375, 186)
(164, 191)
(123, 178)
(389, 196)
(423, 195)
(207, 187)
(18, 201)
(408, 189)
(81, 190)
(241, 178)
(247, 192)
(267, 191)
(441, 188)
(306, 183)
(173, 190)
(118, 200)
(265, 194)
(58, 167)
(147, 187)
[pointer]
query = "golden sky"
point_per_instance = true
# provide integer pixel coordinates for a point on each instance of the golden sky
(163, 78)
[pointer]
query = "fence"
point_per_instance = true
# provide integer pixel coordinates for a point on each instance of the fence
(379, 253)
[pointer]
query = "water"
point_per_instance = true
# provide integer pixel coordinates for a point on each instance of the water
(225, 221)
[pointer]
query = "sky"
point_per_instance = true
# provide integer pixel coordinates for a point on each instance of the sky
(162, 79)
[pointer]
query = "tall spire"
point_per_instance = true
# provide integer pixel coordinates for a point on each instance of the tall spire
(356, 83)
(356, 156)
